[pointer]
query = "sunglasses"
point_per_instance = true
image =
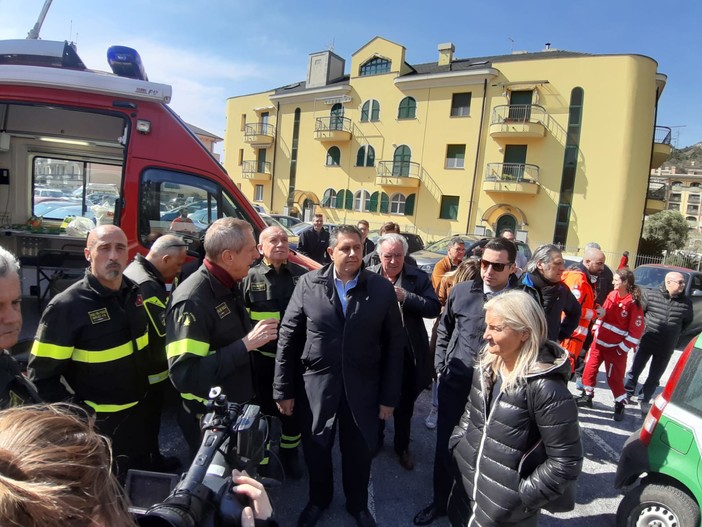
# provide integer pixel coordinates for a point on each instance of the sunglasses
(498, 267)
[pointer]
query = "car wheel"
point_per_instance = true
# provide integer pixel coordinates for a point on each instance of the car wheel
(659, 505)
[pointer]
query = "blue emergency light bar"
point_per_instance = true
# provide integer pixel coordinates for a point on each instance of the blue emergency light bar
(126, 62)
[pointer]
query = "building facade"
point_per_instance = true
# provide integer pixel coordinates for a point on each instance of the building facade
(557, 145)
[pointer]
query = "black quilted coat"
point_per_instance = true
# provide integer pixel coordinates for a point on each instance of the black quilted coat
(489, 491)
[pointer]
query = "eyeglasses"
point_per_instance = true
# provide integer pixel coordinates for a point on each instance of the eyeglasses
(679, 282)
(496, 266)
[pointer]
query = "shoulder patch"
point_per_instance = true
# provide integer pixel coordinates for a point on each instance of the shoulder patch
(186, 318)
(222, 310)
(99, 315)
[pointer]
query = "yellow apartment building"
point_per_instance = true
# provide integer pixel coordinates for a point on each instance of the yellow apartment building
(557, 145)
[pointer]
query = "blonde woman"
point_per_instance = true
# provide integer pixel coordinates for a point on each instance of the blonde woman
(519, 396)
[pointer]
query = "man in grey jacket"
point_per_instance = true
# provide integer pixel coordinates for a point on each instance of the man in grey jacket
(667, 312)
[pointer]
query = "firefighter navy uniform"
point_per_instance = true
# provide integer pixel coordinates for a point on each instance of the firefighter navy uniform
(153, 291)
(96, 341)
(205, 323)
(266, 295)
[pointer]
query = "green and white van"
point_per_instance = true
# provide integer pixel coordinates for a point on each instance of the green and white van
(663, 459)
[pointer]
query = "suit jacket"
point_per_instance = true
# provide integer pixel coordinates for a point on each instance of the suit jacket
(323, 354)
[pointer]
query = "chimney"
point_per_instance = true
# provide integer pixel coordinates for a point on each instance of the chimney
(446, 53)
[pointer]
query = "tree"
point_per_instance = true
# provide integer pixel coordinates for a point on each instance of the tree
(667, 228)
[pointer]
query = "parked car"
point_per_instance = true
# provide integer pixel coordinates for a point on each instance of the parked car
(430, 256)
(651, 276)
(297, 229)
(293, 239)
(414, 241)
(287, 221)
(660, 463)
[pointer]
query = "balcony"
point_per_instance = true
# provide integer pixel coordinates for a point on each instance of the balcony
(256, 170)
(518, 121)
(397, 174)
(662, 147)
(675, 198)
(693, 210)
(259, 134)
(655, 198)
(694, 198)
(511, 178)
(333, 129)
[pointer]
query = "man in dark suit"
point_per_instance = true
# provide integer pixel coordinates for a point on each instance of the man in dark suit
(343, 333)
(314, 242)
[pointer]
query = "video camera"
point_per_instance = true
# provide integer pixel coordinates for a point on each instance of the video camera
(234, 437)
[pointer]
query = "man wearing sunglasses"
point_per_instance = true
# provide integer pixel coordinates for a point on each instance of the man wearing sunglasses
(459, 339)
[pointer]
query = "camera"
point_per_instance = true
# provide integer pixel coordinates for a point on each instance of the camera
(234, 437)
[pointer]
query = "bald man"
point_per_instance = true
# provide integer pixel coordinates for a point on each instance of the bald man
(267, 290)
(92, 338)
(667, 312)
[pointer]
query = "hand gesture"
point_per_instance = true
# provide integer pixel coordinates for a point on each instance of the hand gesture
(262, 333)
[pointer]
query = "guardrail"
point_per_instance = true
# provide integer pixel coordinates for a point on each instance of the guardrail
(333, 124)
(259, 129)
(256, 167)
(518, 113)
(662, 135)
(398, 169)
(512, 172)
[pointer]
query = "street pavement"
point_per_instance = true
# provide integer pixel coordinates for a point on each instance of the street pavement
(396, 495)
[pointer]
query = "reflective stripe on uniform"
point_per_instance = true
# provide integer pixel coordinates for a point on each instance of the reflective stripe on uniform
(191, 397)
(183, 346)
(111, 354)
(263, 315)
(266, 353)
(158, 377)
(51, 351)
(290, 441)
(110, 408)
(614, 329)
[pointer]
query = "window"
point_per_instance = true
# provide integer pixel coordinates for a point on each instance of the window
(243, 121)
(455, 156)
(407, 109)
(241, 156)
(344, 200)
(449, 208)
(329, 198)
(164, 193)
(365, 156)
(401, 161)
(361, 201)
(333, 156)
(258, 193)
(397, 204)
(336, 117)
(460, 105)
(70, 187)
(370, 111)
(375, 66)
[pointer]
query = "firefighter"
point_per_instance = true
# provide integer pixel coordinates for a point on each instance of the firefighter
(581, 283)
(151, 273)
(208, 331)
(267, 290)
(94, 338)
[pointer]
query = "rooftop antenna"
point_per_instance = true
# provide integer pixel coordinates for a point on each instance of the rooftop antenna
(34, 32)
(330, 47)
(512, 45)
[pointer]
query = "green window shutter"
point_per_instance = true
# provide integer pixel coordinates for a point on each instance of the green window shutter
(384, 203)
(349, 200)
(449, 208)
(364, 111)
(373, 202)
(370, 160)
(340, 199)
(409, 205)
(361, 157)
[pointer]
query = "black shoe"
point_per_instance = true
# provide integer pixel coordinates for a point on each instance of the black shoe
(364, 519)
(584, 400)
(428, 515)
(309, 516)
(290, 459)
(619, 411)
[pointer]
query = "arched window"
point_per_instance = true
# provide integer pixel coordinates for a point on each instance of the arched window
(344, 200)
(361, 201)
(333, 156)
(336, 117)
(407, 109)
(397, 203)
(375, 66)
(401, 161)
(694, 185)
(365, 156)
(370, 111)
(329, 199)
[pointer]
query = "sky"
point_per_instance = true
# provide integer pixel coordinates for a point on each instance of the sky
(210, 50)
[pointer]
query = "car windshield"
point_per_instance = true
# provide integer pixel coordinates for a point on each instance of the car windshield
(688, 391)
(272, 222)
(441, 247)
(653, 277)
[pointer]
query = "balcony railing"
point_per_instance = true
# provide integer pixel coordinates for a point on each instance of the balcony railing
(693, 198)
(512, 172)
(261, 134)
(693, 210)
(656, 193)
(256, 170)
(333, 124)
(675, 198)
(518, 113)
(662, 135)
(398, 169)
